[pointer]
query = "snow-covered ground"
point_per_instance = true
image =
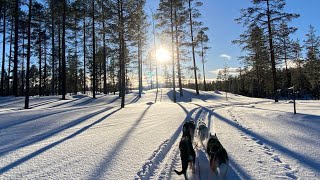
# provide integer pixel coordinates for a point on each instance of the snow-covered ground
(85, 138)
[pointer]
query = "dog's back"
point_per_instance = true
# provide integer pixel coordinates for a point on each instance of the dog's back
(213, 146)
(187, 154)
(202, 131)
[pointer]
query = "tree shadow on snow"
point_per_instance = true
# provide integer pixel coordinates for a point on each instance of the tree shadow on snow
(29, 140)
(33, 117)
(299, 156)
(103, 166)
(42, 150)
(188, 96)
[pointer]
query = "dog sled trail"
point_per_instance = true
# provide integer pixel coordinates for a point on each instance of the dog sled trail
(201, 169)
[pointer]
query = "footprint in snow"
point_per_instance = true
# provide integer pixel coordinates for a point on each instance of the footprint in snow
(259, 142)
(276, 158)
(266, 148)
(287, 166)
(268, 153)
(291, 175)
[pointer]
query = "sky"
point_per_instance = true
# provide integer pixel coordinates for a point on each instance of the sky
(219, 16)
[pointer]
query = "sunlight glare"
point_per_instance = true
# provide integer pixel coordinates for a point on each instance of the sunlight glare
(162, 55)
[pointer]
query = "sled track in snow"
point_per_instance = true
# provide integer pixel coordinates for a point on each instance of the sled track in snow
(161, 159)
(166, 158)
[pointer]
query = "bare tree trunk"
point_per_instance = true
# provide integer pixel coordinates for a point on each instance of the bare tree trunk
(22, 67)
(94, 52)
(84, 55)
(52, 51)
(155, 51)
(15, 60)
(3, 52)
(178, 51)
(64, 51)
(76, 59)
(139, 62)
(193, 49)
(172, 51)
(60, 63)
(26, 103)
(204, 73)
(273, 62)
(40, 61)
(10, 58)
(122, 55)
(105, 88)
(45, 68)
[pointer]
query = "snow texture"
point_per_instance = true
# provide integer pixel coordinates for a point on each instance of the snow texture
(85, 138)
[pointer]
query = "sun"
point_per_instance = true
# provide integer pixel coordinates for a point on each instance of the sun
(162, 55)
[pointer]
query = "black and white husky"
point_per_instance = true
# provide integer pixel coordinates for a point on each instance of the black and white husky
(218, 157)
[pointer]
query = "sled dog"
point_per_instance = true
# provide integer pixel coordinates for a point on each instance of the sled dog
(187, 153)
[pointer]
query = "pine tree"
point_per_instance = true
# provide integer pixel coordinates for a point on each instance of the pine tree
(312, 67)
(191, 23)
(266, 14)
(284, 47)
(254, 41)
(202, 40)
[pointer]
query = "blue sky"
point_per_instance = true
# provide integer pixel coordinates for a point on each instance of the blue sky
(219, 16)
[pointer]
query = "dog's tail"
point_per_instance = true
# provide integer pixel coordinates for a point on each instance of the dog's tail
(180, 172)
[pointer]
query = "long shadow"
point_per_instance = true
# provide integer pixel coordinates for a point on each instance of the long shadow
(88, 101)
(42, 103)
(265, 109)
(42, 150)
(10, 104)
(68, 102)
(237, 172)
(43, 136)
(14, 123)
(295, 155)
(104, 164)
(304, 118)
(203, 96)
(136, 99)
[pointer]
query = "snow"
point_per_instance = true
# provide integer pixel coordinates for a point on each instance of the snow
(85, 138)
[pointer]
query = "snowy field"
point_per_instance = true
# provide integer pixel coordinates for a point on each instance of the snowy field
(85, 138)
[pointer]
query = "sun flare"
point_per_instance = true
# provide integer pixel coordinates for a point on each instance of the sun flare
(162, 55)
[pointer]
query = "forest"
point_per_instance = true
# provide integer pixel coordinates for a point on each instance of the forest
(56, 47)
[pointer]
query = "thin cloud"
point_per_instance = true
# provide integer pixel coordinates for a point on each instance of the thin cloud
(226, 56)
(231, 71)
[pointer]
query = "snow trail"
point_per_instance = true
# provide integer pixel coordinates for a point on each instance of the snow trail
(84, 138)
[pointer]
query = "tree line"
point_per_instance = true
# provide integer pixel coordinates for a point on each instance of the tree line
(273, 61)
(55, 47)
